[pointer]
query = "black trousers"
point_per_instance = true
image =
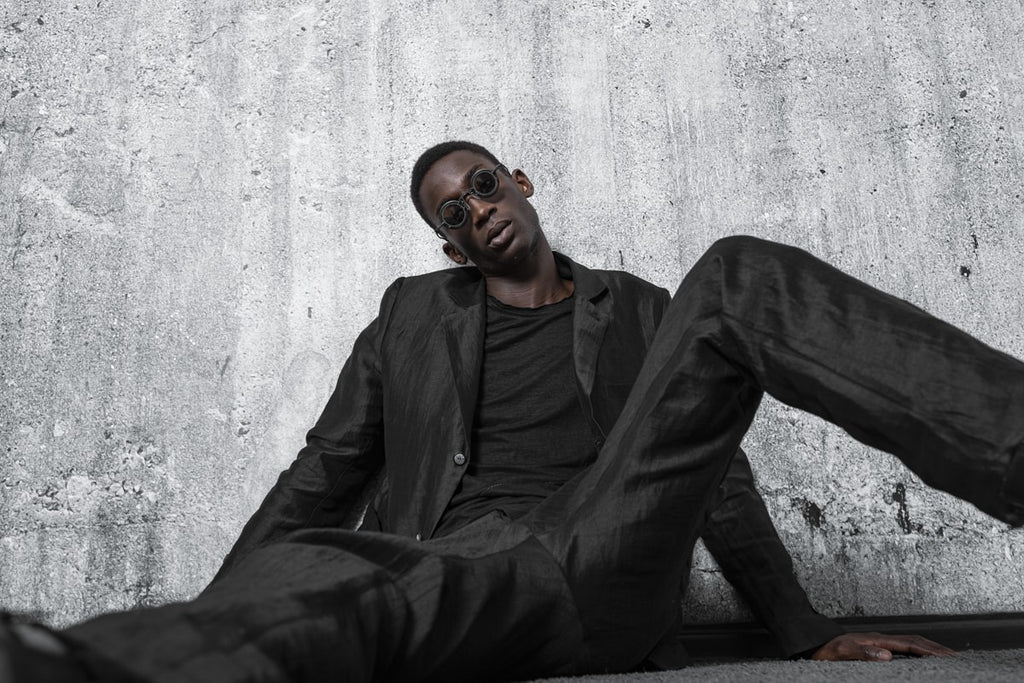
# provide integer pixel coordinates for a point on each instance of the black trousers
(586, 581)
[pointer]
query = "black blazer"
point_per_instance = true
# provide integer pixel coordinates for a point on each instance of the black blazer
(403, 408)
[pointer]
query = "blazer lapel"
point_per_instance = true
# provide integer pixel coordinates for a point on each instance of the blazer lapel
(589, 324)
(464, 335)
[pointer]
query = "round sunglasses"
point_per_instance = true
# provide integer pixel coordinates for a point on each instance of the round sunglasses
(454, 213)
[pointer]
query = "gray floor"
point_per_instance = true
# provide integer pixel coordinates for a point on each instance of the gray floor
(977, 665)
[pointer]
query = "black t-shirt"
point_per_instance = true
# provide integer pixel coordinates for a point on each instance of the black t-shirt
(530, 434)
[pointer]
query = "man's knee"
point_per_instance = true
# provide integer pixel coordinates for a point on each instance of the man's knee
(731, 254)
(740, 248)
(752, 255)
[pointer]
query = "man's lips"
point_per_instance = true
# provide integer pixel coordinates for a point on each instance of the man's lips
(497, 236)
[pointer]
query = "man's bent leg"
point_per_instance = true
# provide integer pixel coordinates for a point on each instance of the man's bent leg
(754, 316)
(329, 605)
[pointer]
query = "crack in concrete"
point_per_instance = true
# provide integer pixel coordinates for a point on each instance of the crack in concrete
(91, 221)
(215, 32)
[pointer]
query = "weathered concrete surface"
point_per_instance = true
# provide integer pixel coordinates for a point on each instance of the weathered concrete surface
(200, 203)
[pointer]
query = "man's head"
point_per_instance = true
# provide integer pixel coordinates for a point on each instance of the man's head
(477, 206)
(428, 159)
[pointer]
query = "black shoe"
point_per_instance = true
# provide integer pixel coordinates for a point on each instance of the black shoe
(30, 654)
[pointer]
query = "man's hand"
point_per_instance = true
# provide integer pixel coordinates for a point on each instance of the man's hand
(877, 647)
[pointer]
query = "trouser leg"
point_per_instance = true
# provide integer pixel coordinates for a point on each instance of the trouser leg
(750, 317)
(331, 605)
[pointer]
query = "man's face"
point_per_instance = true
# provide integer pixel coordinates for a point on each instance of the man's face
(502, 230)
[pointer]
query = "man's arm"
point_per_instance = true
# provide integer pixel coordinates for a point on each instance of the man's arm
(740, 535)
(331, 480)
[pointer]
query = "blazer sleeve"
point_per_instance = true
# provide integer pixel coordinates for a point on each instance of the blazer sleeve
(741, 537)
(335, 474)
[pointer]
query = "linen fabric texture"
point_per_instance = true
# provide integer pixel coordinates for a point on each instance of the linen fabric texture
(670, 390)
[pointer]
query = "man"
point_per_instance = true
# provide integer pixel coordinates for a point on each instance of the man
(564, 555)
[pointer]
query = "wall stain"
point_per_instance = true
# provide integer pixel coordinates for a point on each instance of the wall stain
(813, 515)
(899, 496)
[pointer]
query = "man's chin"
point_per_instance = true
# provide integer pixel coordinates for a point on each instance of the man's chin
(506, 261)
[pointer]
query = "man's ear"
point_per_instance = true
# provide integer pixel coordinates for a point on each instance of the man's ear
(522, 182)
(454, 254)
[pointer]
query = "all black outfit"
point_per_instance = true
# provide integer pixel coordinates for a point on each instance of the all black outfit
(585, 581)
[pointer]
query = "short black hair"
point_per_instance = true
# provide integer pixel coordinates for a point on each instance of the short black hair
(431, 157)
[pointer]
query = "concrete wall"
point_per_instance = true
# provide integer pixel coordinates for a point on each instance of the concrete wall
(200, 203)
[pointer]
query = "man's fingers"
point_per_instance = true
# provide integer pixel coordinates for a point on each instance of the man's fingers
(876, 647)
(852, 647)
(863, 649)
(915, 645)
(878, 654)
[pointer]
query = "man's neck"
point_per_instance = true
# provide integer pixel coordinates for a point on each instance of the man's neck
(537, 284)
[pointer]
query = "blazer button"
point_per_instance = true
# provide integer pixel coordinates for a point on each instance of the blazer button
(459, 459)
(419, 537)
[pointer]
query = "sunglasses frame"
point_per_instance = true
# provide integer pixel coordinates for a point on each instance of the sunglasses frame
(461, 201)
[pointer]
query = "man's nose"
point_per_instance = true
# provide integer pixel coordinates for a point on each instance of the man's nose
(479, 209)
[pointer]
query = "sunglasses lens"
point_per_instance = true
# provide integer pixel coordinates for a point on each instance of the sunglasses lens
(453, 214)
(485, 183)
